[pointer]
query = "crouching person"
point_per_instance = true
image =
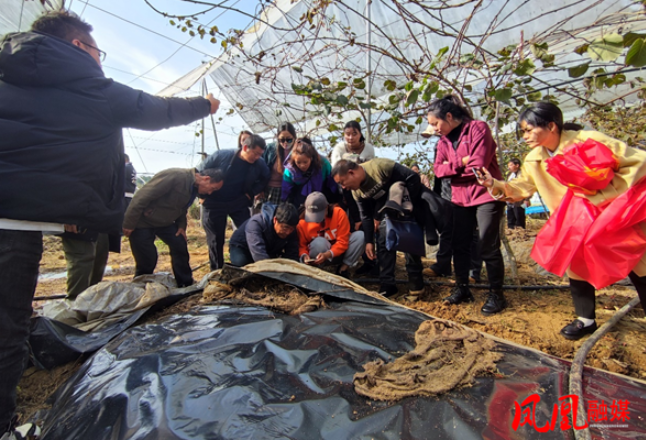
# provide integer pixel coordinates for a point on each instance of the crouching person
(159, 209)
(370, 183)
(324, 236)
(264, 236)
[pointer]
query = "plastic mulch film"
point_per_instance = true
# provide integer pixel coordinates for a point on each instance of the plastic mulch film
(222, 372)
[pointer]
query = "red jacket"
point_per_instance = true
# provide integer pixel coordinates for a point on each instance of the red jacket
(476, 142)
(335, 229)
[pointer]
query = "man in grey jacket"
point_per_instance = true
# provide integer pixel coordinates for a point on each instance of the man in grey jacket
(159, 209)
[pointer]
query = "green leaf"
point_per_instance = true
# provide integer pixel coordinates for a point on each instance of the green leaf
(503, 95)
(606, 48)
(533, 97)
(342, 100)
(578, 71)
(631, 37)
(466, 58)
(539, 50)
(442, 51)
(409, 86)
(636, 55)
(390, 85)
(325, 81)
(582, 49)
(297, 69)
(412, 97)
(333, 127)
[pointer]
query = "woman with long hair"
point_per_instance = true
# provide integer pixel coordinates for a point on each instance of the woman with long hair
(307, 171)
(275, 156)
(594, 186)
(465, 144)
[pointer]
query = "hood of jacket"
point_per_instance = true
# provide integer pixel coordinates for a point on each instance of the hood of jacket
(37, 60)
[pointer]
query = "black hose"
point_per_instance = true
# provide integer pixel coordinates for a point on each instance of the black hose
(474, 286)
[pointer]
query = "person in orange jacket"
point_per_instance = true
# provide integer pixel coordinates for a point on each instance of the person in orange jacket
(324, 235)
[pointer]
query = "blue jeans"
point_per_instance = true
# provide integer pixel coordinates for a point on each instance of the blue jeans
(20, 253)
(239, 256)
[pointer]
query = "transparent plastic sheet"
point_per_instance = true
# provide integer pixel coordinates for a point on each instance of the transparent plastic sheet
(102, 312)
(245, 372)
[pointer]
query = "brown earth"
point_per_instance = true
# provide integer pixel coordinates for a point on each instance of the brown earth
(533, 317)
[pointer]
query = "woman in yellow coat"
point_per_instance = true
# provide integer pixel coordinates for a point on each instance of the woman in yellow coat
(543, 129)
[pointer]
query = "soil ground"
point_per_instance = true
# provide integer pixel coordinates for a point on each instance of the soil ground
(533, 317)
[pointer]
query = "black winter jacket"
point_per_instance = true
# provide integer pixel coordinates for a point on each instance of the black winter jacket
(61, 148)
(255, 180)
(259, 236)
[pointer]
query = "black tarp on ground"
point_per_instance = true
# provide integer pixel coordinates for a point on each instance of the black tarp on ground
(248, 373)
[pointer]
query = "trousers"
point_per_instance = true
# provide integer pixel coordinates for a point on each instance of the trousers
(142, 244)
(20, 254)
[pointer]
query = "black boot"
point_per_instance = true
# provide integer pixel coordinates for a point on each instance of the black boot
(415, 285)
(495, 302)
(388, 290)
(460, 294)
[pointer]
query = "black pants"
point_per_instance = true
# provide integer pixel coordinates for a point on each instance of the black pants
(583, 295)
(388, 259)
(214, 221)
(487, 217)
(20, 253)
(444, 254)
(142, 243)
(515, 216)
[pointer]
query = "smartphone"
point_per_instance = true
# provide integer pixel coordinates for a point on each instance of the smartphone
(477, 173)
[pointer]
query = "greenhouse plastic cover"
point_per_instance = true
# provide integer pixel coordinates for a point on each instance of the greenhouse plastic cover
(232, 372)
(17, 15)
(564, 25)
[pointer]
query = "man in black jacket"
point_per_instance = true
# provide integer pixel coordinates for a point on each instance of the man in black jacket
(370, 183)
(245, 175)
(266, 236)
(61, 160)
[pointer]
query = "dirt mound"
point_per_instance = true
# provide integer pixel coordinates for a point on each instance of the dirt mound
(280, 297)
(447, 355)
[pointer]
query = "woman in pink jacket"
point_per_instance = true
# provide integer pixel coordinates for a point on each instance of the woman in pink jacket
(465, 145)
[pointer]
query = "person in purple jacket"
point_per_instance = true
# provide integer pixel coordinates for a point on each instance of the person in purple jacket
(466, 145)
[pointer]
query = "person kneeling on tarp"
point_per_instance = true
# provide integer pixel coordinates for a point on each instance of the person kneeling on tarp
(264, 236)
(595, 187)
(324, 235)
(159, 209)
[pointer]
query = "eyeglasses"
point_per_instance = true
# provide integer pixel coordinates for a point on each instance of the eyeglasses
(102, 54)
(286, 140)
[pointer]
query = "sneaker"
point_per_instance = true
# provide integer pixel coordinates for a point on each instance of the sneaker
(495, 303)
(460, 294)
(388, 290)
(415, 286)
(576, 330)
(28, 431)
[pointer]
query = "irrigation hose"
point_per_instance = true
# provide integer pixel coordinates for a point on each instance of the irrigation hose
(576, 372)
(474, 286)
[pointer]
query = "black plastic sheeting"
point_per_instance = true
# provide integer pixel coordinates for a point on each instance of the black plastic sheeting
(247, 373)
